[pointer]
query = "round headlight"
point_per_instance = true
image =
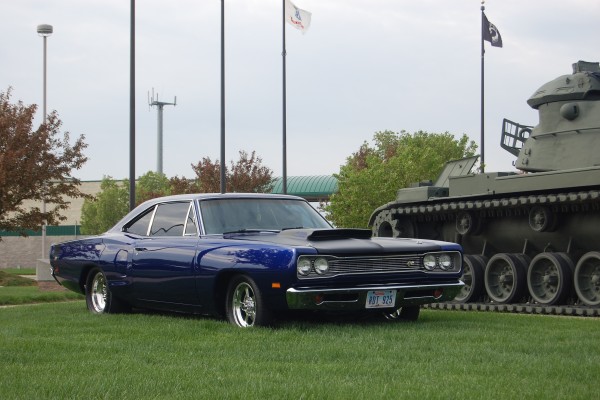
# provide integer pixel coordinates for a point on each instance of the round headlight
(321, 266)
(304, 266)
(445, 262)
(429, 262)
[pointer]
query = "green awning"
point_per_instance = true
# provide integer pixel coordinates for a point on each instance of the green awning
(312, 188)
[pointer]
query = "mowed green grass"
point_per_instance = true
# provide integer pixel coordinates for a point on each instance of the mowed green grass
(12, 295)
(60, 350)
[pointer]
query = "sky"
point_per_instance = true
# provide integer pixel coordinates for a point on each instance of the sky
(363, 66)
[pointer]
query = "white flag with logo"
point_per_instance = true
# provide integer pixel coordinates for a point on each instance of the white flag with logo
(299, 19)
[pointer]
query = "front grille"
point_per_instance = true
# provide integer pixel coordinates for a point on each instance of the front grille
(372, 265)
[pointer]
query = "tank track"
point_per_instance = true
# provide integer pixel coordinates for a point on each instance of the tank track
(567, 310)
(591, 197)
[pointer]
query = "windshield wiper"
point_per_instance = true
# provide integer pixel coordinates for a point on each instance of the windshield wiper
(250, 231)
(293, 227)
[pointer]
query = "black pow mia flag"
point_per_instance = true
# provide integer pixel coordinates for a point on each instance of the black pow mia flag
(491, 33)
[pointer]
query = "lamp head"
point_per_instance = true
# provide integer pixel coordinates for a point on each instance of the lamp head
(44, 30)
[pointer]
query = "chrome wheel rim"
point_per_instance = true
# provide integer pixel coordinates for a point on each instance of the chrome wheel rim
(244, 305)
(99, 293)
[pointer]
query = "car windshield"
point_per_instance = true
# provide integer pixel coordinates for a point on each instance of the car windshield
(235, 215)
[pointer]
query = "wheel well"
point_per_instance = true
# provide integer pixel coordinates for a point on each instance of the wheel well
(85, 272)
(220, 290)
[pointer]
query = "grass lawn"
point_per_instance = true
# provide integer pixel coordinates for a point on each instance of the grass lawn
(15, 289)
(13, 295)
(61, 351)
(19, 271)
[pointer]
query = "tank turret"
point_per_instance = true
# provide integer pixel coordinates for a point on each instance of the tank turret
(568, 133)
(529, 237)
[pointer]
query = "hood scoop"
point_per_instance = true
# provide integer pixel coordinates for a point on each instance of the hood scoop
(327, 234)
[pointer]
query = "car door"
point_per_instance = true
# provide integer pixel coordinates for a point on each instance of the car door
(162, 268)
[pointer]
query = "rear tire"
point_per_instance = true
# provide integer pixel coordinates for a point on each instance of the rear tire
(98, 297)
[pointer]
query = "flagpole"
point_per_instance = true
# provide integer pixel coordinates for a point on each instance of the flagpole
(222, 168)
(482, 90)
(132, 107)
(283, 54)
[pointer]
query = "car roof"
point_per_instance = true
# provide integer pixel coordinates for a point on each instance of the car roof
(205, 196)
(198, 196)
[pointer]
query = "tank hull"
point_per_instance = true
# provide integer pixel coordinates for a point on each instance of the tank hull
(524, 235)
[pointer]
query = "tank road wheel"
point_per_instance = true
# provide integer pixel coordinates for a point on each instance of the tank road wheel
(473, 270)
(506, 277)
(549, 278)
(542, 219)
(587, 278)
(98, 297)
(468, 224)
(245, 306)
(406, 313)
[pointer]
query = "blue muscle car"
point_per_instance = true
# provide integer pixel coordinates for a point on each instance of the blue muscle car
(249, 257)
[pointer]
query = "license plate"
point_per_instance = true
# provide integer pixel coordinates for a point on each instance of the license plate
(381, 298)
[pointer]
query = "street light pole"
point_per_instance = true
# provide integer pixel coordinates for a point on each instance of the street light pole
(44, 30)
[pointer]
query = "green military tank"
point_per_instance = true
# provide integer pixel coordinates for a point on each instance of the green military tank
(529, 237)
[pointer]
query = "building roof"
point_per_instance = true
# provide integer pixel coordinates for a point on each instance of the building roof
(312, 188)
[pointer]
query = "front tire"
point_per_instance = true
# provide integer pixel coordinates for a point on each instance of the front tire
(98, 297)
(245, 306)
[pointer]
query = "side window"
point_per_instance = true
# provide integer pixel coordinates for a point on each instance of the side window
(140, 225)
(169, 219)
(190, 222)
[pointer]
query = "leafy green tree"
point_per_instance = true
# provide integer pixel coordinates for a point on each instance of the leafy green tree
(100, 213)
(372, 175)
(35, 164)
(151, 185)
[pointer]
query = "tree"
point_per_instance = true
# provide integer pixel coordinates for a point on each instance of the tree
(246, 175)
(35, 165)
(151, 185)
(100, 213)
(372, 175)
(183, 185)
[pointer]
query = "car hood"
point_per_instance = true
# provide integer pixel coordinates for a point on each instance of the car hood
(344, 241)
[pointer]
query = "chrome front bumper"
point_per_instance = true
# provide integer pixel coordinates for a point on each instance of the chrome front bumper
(355, 298)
